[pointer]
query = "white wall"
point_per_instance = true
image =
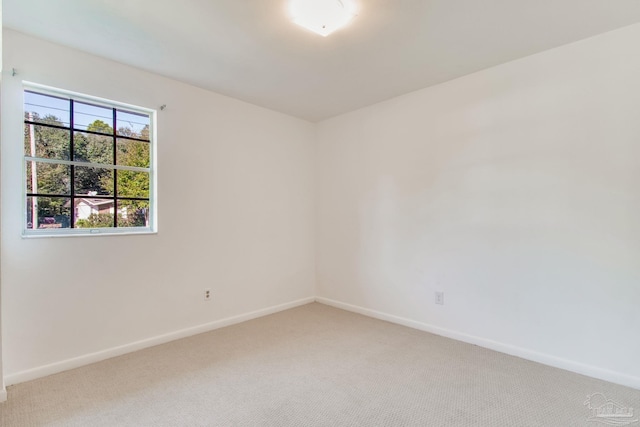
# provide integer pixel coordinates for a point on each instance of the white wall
(3, 391)
(515, 190)
(236, 214)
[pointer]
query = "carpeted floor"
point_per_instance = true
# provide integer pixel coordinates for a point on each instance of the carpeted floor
(312, 366)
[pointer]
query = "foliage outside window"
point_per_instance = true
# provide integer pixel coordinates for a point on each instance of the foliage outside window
(88, 165)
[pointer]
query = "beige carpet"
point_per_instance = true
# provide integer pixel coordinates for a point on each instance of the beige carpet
(311, 366)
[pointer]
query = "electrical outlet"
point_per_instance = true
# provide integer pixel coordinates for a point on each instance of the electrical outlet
(440, 298)
(207, 294)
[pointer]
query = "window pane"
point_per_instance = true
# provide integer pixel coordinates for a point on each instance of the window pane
(92, 148)
(46, 109)
(89, 193)
(135, 125)
(133, 184)
(48, 178)
(30, 177)
(46, 142)
(90, 181)
(92, 118)
(133, 213)
(93, 213)
(50, 212)
(133, 153)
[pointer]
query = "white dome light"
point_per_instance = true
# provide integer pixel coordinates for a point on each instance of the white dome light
(322, 16)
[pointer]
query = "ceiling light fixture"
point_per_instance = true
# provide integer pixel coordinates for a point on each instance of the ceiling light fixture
(322, 16)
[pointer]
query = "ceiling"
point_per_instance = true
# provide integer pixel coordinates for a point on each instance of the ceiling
(248, 49)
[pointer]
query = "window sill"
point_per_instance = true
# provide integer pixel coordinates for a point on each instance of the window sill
(87, 232)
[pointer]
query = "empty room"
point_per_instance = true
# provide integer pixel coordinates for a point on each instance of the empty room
(320, 213)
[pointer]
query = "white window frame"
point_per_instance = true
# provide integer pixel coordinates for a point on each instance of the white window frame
(152, 228)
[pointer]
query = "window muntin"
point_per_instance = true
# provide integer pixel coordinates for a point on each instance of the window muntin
(88, 165)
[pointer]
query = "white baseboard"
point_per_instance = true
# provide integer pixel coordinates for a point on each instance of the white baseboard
(3, 395)
(76, 362)
(545, 359)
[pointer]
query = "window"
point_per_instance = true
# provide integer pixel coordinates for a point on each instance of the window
(88, 165)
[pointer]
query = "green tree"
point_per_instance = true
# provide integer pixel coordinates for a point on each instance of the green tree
(96, 221)
(55, 179)
(132, 183)
(93, 148)
(52, 179)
